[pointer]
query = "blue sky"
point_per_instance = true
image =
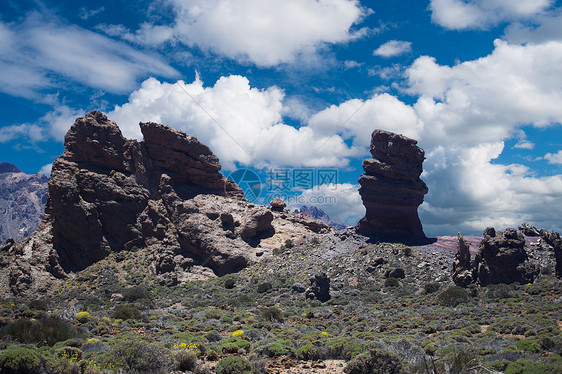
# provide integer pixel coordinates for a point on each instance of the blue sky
(300, 84)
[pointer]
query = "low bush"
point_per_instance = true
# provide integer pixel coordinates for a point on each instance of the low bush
(126, 312)
(307, 352)
(44, 331)
(374, 362)
(453, 296)
(272, 314)
(233, 365)
(264, 287)
(136, 293)
(431, 287)
(19, 361)
(137, 356)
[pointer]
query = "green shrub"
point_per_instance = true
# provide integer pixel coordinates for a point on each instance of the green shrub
(126, 312)
(374, 362)
(307, 352)
(45, 331)
(264, 287)
(235, 345)
(229, 283)
(137, 356)
(453, 296)
(391, 282)
(272, 313)
(214, 314)
(280, 348)
(136, 293)
(280, 250)
(233, 365)
(289, 243)
(431, 287)
(19, 361)
(185, 360)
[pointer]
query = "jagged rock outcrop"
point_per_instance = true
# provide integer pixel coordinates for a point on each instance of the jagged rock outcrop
(502, 258)
(553, 240)
(163, 196)
(22, 201)
(391, 188)
(462, 266)
(320, 215)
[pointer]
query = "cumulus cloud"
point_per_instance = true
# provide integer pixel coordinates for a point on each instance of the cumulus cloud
(264, 32)
(341, 202)
(240, 123)
(46, 170)
(393, 48)
(482, 14)
(37, 53)
(554, 158)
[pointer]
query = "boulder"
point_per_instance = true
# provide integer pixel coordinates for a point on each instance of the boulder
(398, 273)
(319, 288)
(256, 221)
(553, 239)
(277, 205)
(391, 188)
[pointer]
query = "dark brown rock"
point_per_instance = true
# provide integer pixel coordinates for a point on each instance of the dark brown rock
(553, 239)
(319, 288)
(391, 188)
(462, 266)
(528, 229)
(502, 258)
(277, 204)
(395, 273)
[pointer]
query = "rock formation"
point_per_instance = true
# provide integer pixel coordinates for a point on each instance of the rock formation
(391, 188)
(163, 195)
(502, 258)
(22, 201)
(553, 240)
(277, 205)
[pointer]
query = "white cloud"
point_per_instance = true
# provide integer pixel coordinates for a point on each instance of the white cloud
(264, 32)
(393, 48)
(554, 158)
(241, 124)
(34, 55)
(482, 14)
(341, 202)
(88, 13)
(544, 28)
(46, 170)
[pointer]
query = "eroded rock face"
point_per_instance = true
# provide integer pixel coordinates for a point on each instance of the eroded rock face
(391, 188)
(319, 288)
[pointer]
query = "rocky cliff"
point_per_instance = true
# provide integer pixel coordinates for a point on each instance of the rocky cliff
(320, 215)
(22, 201)
(391, 188)
(164, 196)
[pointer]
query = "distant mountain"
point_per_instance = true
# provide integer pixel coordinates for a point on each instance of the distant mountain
(22, 201)
(320, 215)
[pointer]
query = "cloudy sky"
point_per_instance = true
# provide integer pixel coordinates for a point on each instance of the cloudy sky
(295, 87)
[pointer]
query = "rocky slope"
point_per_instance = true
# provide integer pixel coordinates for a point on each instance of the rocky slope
(22, 201)
(163, 195)
(391, 188)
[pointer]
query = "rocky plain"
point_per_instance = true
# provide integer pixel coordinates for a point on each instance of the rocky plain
(148, 260)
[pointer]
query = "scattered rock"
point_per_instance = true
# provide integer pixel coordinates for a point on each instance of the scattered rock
(395, 273)
(391, 188)
(298, 287)
(378, 261)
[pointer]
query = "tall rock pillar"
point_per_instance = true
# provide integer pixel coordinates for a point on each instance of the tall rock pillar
(391, 188)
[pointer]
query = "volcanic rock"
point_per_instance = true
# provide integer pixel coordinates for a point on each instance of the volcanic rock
(277, 204)
(22, 201)
(391, 188)
(319, 288)
(553, 239)
(462, 266)
(163, 198)
(395, 273)
(502, 258)
(528, 229)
